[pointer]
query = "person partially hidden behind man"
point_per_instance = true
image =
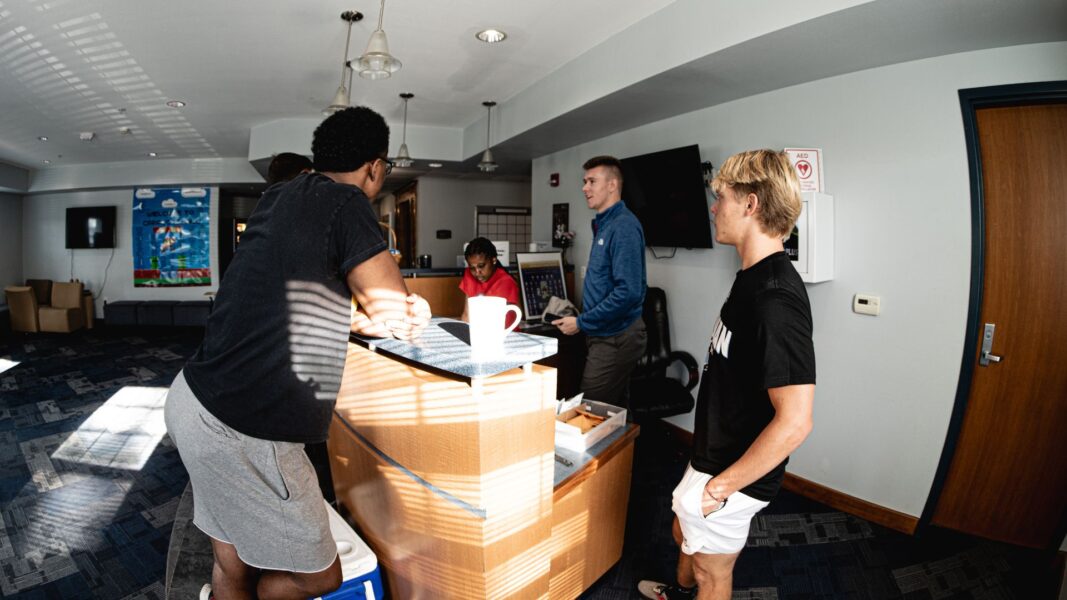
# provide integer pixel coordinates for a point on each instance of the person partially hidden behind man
(613, 294)
(265, 380)
(485, 277)
(754, 406)
(287, 165)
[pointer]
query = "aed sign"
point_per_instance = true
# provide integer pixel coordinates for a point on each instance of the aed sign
(808, 164)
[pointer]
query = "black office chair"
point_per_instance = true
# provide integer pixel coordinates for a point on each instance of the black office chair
(652, 393)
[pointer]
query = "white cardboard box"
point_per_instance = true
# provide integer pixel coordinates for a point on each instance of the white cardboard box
(572, 438)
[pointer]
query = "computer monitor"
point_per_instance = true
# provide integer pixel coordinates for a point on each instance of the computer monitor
(540, 278)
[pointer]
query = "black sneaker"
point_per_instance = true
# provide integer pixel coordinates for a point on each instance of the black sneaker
(662, 591)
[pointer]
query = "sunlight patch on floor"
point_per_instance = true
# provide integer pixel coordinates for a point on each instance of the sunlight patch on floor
(122, 433)
(6, 364)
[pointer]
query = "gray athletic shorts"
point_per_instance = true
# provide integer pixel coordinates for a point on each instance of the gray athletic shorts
(259, 495)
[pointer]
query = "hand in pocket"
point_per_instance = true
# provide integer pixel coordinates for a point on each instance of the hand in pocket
(708, 504)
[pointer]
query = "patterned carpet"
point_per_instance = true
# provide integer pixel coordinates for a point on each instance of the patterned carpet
(88, 481)
(89, 487)
(799, 549)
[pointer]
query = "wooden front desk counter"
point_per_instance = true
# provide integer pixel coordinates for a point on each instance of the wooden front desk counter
(454, 484)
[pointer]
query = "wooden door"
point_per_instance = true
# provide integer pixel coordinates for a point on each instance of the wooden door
(406, 230)
(1008, 476)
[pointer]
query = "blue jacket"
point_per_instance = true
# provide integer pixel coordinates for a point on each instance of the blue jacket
(614, 290)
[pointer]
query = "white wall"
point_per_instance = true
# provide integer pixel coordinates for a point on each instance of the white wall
(44, 255)
(13, 179)
(143, 173)
(10, 241)
(895, 161)
(450, 204)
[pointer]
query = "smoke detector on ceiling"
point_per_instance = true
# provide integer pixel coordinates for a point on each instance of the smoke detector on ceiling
(86, 136)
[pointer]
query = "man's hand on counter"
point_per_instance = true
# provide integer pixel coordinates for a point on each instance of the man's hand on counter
(416, 319)
(567, 325)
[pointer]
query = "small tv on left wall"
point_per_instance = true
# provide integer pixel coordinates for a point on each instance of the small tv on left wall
(91, 227)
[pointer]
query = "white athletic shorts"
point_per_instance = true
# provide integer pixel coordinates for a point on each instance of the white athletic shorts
(725, 530)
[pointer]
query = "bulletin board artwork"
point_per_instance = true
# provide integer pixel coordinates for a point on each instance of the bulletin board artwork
(171, 237)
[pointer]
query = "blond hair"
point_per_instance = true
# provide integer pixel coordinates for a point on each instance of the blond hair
(770, 176)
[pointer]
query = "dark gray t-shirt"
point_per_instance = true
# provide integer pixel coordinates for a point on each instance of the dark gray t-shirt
(274, 349)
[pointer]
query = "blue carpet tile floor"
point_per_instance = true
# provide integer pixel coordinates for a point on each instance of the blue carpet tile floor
(89, 486)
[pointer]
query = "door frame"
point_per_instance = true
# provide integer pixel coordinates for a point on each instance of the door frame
(971, 100)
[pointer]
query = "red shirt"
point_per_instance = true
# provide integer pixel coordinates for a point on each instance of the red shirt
(499, 284)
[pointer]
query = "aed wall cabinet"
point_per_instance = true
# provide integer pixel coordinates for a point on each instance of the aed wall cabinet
(811, 245)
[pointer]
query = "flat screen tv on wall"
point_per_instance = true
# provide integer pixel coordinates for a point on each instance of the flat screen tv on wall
(666, 191)
(91, 227)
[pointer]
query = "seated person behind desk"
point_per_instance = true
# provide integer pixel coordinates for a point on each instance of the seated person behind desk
(484, 277)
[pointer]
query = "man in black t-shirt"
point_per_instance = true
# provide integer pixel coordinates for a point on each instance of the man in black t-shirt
(755, 401)
(265, 379)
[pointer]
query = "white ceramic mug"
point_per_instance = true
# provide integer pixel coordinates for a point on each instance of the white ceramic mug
(487, 315)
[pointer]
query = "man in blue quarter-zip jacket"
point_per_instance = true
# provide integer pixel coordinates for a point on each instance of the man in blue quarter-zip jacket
(614, 290)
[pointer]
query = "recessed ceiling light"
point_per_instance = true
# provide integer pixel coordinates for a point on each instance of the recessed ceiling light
(491, 36)
(175, 103)
(435, 165)
(152, 154)
(43, 138)
(47, 162)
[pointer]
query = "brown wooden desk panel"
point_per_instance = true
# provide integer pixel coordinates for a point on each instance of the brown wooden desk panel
(450, 481)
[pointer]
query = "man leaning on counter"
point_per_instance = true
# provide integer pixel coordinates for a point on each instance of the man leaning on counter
(266, 377)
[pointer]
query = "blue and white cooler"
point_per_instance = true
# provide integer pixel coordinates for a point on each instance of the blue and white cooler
(360, 577)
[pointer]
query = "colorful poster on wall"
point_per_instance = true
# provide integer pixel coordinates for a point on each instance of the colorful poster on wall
(171, 237)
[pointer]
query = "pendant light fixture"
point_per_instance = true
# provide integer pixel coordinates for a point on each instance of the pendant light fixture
(403, 159)
(341, 99)
(488, 165)
(376, 62)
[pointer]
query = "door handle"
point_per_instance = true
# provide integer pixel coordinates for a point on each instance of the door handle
(987, 355)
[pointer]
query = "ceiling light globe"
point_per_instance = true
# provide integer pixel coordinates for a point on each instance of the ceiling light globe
(487, 165)
(340, 102)
(376, 62)
(403, 159)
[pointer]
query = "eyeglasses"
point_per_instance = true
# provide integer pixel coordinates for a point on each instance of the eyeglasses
(388, 165)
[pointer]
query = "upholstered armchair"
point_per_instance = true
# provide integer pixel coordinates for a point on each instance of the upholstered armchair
(22, 306)
(653, 393)
(66, 313)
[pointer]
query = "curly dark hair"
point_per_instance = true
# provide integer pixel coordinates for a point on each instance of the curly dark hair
(348, 139)
(286, 166)
(480, 245)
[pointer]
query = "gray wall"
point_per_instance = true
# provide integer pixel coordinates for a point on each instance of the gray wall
(44, 255)
(10, 241)
(450, 203)
(894, 155)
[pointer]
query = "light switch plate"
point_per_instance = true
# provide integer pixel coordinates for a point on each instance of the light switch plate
(866, 304)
